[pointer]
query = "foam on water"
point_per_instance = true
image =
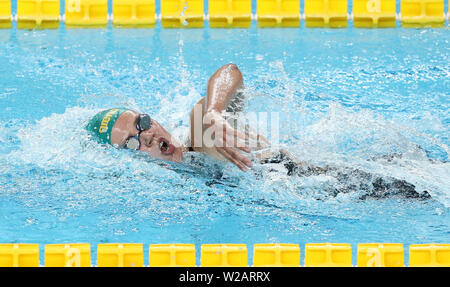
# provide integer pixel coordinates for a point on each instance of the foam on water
(340, 138)
(369, 142)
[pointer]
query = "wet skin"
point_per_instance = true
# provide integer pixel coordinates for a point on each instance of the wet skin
(222, 86)
(156, 141)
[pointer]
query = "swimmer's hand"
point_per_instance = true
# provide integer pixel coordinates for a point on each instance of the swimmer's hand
(228, 141)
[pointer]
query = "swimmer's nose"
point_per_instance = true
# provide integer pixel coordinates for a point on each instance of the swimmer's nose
(146, 138)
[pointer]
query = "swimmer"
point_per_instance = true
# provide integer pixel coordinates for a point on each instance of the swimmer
(125, 128)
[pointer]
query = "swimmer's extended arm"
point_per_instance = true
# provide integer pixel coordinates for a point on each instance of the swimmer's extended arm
(222, 87)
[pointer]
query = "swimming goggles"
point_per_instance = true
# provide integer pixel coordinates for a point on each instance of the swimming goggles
(144, 123)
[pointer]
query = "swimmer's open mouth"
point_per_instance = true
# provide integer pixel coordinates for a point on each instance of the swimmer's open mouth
(166, 147)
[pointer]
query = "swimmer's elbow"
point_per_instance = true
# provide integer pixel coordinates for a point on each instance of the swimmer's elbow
(234, 71)
(232, 67)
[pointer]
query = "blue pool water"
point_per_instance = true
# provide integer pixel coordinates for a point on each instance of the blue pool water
(347, 98)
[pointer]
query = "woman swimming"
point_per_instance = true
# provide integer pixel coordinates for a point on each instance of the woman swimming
(214, 134)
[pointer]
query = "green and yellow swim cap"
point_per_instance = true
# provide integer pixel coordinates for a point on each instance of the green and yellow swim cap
(102, 123)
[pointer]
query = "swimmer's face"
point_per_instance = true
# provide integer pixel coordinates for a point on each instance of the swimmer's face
(156, 141)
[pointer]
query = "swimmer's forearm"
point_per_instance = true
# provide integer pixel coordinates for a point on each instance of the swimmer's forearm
(222, 86)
